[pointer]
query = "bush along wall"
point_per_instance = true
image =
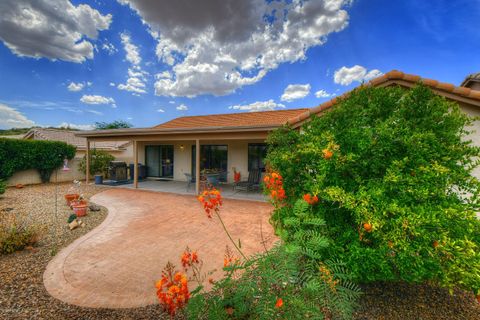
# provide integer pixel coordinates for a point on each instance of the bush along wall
(45, 156)
(390, 172)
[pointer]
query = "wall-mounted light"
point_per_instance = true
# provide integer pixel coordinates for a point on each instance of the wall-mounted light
(182, 147)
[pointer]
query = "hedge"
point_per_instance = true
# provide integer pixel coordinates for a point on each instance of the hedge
(45, 156)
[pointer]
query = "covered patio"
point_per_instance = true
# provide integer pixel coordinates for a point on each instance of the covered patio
(223, 149)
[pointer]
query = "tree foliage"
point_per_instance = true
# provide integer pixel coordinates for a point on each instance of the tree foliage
(118, 124)
(45, 156)
(99, 161)
(396, 193)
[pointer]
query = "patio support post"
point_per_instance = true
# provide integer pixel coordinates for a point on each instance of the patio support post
(135, 164)
(197, 166)
(87, 162)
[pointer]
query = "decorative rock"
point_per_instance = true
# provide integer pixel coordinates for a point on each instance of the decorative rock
(94, 207)
(74, 224)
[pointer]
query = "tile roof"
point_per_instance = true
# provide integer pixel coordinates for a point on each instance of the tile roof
(245, 119)
(470, 78)
(70, 138)
(403, 79)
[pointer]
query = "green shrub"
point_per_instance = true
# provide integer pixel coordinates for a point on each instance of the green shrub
(3, 186)
(16, 233)
(99, 161)
(397, 196)
(251, 290)
(45, 156)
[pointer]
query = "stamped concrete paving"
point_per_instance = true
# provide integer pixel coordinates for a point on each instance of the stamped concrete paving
(117, 264)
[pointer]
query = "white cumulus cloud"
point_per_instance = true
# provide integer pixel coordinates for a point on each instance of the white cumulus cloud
(182, 107)
(12, 118)
(67, 125)
(258, 106)
(295, 92)
(323, 94)
(217, 46)
(161, 110)
(136, 76)
(133, 54)
(53, 29)
(96, 99)
(346, 76)
(75, 86)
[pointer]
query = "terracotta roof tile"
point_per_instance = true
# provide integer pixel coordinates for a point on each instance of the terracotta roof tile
(250, 119)
(390, 78)
(70, 138)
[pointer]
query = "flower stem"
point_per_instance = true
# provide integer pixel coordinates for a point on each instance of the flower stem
(229, 236)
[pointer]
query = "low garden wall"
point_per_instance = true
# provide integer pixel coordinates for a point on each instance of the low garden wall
(32, 176)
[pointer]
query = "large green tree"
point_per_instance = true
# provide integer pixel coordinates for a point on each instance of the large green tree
(118, 124)
(392, 171)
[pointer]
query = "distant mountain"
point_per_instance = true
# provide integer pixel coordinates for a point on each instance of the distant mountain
(21, 131)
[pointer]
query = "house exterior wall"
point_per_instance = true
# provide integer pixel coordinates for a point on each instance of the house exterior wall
(182, 163)
(475, 135)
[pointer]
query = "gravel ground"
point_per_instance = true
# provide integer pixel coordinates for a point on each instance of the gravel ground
(402, 301)
(23, 296)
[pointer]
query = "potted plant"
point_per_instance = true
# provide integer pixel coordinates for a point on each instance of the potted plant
(79, 207)
(73, 193)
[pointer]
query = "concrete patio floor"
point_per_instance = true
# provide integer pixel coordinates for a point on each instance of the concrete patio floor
(117, 264)
(181, 188)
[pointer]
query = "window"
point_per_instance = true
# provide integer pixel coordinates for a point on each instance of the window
(212, 157)
(256, 156)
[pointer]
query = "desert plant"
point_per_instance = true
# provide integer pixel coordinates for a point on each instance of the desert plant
(278, 284)
(45, 156)
(16, 232)
(391, 169)
(99, 161)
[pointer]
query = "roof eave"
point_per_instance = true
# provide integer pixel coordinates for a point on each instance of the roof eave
(155, 131)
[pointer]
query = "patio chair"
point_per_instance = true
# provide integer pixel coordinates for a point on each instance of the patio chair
(190, 180)
(252, 183)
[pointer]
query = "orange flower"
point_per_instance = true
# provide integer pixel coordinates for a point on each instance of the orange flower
(279, 303)
(189, 258)
(274, 185)
(172, 290)
(211, 200)
(327, 154)
(309, 199)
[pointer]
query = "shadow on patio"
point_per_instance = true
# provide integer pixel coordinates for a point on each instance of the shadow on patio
(180, 187)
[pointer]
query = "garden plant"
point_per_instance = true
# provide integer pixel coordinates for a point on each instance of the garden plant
(99, 161)
(385, 178)
(45, 156)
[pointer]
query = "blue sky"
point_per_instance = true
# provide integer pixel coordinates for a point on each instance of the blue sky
(77, 62)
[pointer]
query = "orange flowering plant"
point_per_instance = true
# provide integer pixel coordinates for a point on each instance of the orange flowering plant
(172, 289)
(273, 186)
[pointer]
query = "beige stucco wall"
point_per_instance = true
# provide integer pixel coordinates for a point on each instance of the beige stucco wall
(33, 177)
(237, 156)
(475, 135)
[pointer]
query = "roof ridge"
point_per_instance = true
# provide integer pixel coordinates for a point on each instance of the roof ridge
(235, 113)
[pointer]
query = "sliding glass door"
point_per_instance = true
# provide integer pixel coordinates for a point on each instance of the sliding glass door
(159, 161)
(212, 158)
